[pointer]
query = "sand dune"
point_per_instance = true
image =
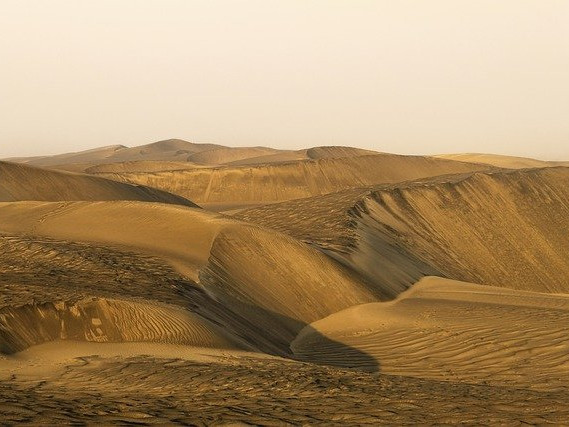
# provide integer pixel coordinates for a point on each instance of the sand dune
(223, 155)
(19, 182)
(168, 150)
(447, 330)
(369, 288)
(86, 156)
(509, 162)
(139, 166)
(287, 285)
(108, 320)
(471, 227)
(277, 182)
(180, 151)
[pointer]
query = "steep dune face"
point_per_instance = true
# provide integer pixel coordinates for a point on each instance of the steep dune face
(469, 228)
(262, 287)
(272, 183)
(453, 331)
(19, 182)
(315, 288)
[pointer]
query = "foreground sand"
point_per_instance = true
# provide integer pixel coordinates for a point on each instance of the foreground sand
(115, 383)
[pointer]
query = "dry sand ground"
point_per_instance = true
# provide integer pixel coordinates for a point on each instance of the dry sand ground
(125, 304)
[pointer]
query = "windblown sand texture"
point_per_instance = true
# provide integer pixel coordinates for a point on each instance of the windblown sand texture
(362, 288)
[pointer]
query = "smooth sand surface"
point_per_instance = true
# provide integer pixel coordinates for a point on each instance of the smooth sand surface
(21, 182)
(453, 331)
(510, 162)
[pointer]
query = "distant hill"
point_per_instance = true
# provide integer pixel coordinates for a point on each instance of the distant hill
(509, 162)
(180, 151)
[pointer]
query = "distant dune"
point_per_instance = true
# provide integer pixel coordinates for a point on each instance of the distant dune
(180, 151)
(509, 162)
(271, 183)
(468, 227)
(19, 182)
(167, 150)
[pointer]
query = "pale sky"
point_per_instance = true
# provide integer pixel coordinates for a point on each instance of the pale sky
(413, 77)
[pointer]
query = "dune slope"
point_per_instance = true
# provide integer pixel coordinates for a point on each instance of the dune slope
(262, 286)
(20, 182)
(508, 162)
(470, 227)
(277, 182)
(448, 330)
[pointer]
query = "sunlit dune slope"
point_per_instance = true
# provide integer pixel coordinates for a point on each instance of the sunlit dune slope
(20, 182)
(502, 228)
(276, 182)
(261, 286)
(454, 331)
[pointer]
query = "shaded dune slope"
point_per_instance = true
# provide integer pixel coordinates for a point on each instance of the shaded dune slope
(447, 330)
(261, 287)
(20, 182)
(277, 182)
(468, 227)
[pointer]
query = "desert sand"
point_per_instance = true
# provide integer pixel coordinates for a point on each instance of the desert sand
(508, 162)
(339, 286)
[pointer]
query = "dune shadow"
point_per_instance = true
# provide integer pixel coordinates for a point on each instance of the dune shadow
(269, 332)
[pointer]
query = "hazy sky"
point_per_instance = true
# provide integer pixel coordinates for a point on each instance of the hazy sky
(423, 76)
